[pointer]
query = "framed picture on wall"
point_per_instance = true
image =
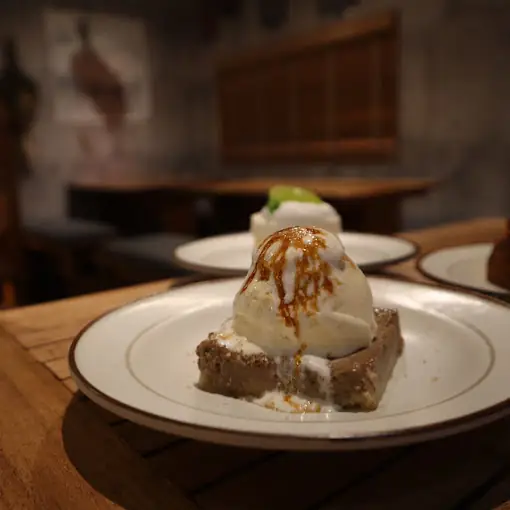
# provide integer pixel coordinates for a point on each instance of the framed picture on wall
(99, 67)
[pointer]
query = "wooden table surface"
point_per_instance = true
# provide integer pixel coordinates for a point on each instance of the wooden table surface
(329, 188)
(60, 451)
(366, 205)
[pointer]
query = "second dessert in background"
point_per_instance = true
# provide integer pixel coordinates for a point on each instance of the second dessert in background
(289, 206)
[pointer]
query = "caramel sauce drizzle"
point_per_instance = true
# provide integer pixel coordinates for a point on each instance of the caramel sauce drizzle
(311, 269)
(298, 359)
(348, 260)
(306, 407)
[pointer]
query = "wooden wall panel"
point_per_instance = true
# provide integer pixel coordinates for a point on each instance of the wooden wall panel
(241, 108)
(332, 96)
(275, 103)
(353, 83)
(389, 104)
(311, 98)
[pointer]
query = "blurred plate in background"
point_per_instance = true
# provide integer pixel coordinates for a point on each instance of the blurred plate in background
(231, 254)
(462, 266)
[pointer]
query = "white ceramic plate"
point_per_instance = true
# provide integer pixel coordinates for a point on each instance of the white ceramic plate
(230, 254)
(463, 266)
(139, 362)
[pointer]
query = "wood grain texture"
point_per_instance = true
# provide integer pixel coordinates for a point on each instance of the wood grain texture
(347, 30)
(70, 385)
(192, 464)
(439, 474)
(329, 95)
(367, 205)
(60, 320)
(60, 450)
(480, 230)
(340, 151)
(292, 480)
(52, 351)
(59, 368)
(43, 428)
(328, 188)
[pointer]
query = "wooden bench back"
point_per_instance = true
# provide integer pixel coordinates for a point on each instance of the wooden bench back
(331, 95)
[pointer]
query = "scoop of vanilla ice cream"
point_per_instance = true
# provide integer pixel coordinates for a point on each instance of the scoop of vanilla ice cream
(302, 296)
(290, 213)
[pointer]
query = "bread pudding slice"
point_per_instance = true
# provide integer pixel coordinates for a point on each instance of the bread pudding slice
(355, 382)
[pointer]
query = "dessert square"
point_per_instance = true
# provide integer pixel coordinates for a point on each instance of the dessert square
(356, 382)
(304, 335)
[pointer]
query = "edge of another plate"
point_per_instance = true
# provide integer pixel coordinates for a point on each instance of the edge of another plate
(455, 285)
(414, 249)
(288, 443)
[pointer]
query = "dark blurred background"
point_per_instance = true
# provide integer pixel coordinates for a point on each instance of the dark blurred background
(114, 98)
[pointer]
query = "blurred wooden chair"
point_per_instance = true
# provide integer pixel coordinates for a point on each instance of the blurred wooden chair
(143, 258)
(149, 255)
(70, 244)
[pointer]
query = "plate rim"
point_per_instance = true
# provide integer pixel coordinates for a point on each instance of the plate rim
(264, 440)
(414, 250)
(455, 285)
